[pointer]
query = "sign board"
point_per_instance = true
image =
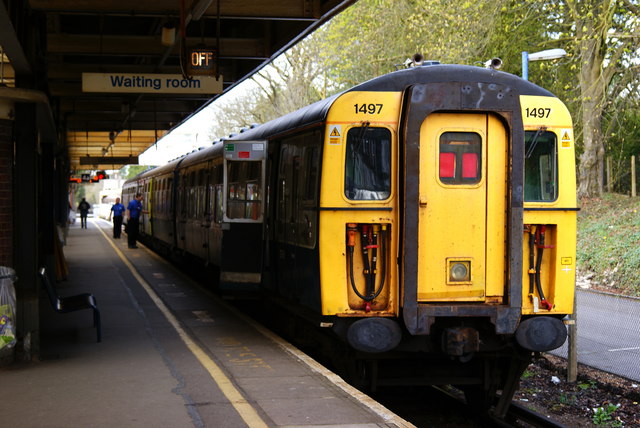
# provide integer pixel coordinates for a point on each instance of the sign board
(202, 61)
(109, 160)
(150, 83)
(245, 150)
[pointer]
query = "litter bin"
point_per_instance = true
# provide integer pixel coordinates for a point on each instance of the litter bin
(7, 313)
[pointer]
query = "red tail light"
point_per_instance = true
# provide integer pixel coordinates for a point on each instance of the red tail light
(447, 165)
(469, 165)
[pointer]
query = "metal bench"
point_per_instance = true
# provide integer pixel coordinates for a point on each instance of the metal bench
(68, 304)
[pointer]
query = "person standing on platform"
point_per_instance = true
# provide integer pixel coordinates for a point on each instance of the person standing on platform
(117, 210)
(84, 208)
(134, 210)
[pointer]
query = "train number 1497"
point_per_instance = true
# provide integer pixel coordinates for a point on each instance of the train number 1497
(540, 112)
(368, 108)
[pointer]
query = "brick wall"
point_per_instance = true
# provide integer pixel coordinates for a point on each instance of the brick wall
(6, 193)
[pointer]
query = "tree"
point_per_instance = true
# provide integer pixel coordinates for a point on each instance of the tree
(130, 171)
(294, 80)
(371, 37)
(601, 38)
(606, 36)
(374, 36)
(367, 40)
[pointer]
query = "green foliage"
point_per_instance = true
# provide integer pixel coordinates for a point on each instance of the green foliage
(374, 37)
(623, 140)
(587, 385)
(608, 242)
(130, 171)
(567, 399)
(603, 416)
(527, 374)
(598, 79)
(367, 40)
(294, 80)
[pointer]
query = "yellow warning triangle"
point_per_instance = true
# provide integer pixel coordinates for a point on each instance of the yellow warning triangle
(334, 133)
(565, 136)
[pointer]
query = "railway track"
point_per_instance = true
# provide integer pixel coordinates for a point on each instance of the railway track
(517, 416)
(424, 406)
(522, 415)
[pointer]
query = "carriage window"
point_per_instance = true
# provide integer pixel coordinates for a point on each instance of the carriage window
(244, 197)
(368, 164)
(460, 158)
(312, 161)
(218, 207)
(168, 197)
(540, 166)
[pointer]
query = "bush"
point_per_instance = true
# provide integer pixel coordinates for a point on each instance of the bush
(608, 242)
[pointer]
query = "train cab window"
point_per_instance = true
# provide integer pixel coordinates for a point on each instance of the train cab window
(540, 166)
(460, 158)
(368, 164)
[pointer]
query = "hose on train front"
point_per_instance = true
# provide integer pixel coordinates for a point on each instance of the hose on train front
(370, 294)
(540, 232)
(532, 268)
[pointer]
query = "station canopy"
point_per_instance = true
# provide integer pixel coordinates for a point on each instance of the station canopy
(122, 73)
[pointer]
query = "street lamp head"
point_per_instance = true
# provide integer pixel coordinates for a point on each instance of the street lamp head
(539, 56)
(548, 54)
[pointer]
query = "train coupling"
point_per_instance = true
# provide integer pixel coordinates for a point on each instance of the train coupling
(459, 341)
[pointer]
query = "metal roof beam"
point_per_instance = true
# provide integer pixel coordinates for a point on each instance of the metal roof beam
(89, 44)
(11, 45)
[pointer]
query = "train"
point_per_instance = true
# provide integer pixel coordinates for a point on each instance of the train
(426, 219)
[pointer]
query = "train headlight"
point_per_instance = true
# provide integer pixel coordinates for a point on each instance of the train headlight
(459, 271)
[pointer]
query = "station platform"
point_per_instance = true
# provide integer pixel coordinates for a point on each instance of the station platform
(172, 355)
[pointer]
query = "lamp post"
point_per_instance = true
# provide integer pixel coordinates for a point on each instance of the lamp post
(539, 56)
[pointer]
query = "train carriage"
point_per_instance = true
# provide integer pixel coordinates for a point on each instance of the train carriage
(429, 213)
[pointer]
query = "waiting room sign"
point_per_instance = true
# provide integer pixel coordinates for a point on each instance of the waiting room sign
(150, 83)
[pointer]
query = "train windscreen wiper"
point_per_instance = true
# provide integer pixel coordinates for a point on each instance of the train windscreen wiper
(534, 142)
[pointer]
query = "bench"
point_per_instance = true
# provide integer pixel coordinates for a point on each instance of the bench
(68, 304)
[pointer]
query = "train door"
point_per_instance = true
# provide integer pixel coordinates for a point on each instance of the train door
(181, 208)
(462, 208)
(191, 229)
(206, 219)
(201, 223)
(287, 213)
(297, 217)
(146, 203)
(244, 167)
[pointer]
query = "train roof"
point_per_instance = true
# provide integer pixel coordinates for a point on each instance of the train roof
(399, 80)
(392, 82)
(184, 161)
(306, 116)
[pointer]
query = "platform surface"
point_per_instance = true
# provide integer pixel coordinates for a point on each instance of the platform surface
(172, 355)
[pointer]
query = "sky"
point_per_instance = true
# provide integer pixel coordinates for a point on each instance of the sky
(192, 134)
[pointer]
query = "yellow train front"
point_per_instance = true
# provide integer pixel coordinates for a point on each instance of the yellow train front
(443, 225)
(428, 217)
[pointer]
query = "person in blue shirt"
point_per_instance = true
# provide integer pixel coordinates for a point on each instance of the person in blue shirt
(117, 210)
(134, 209)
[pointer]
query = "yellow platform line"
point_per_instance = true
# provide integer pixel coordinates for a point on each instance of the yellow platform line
(242, 406)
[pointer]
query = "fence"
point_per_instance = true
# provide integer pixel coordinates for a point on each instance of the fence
(608, 333)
